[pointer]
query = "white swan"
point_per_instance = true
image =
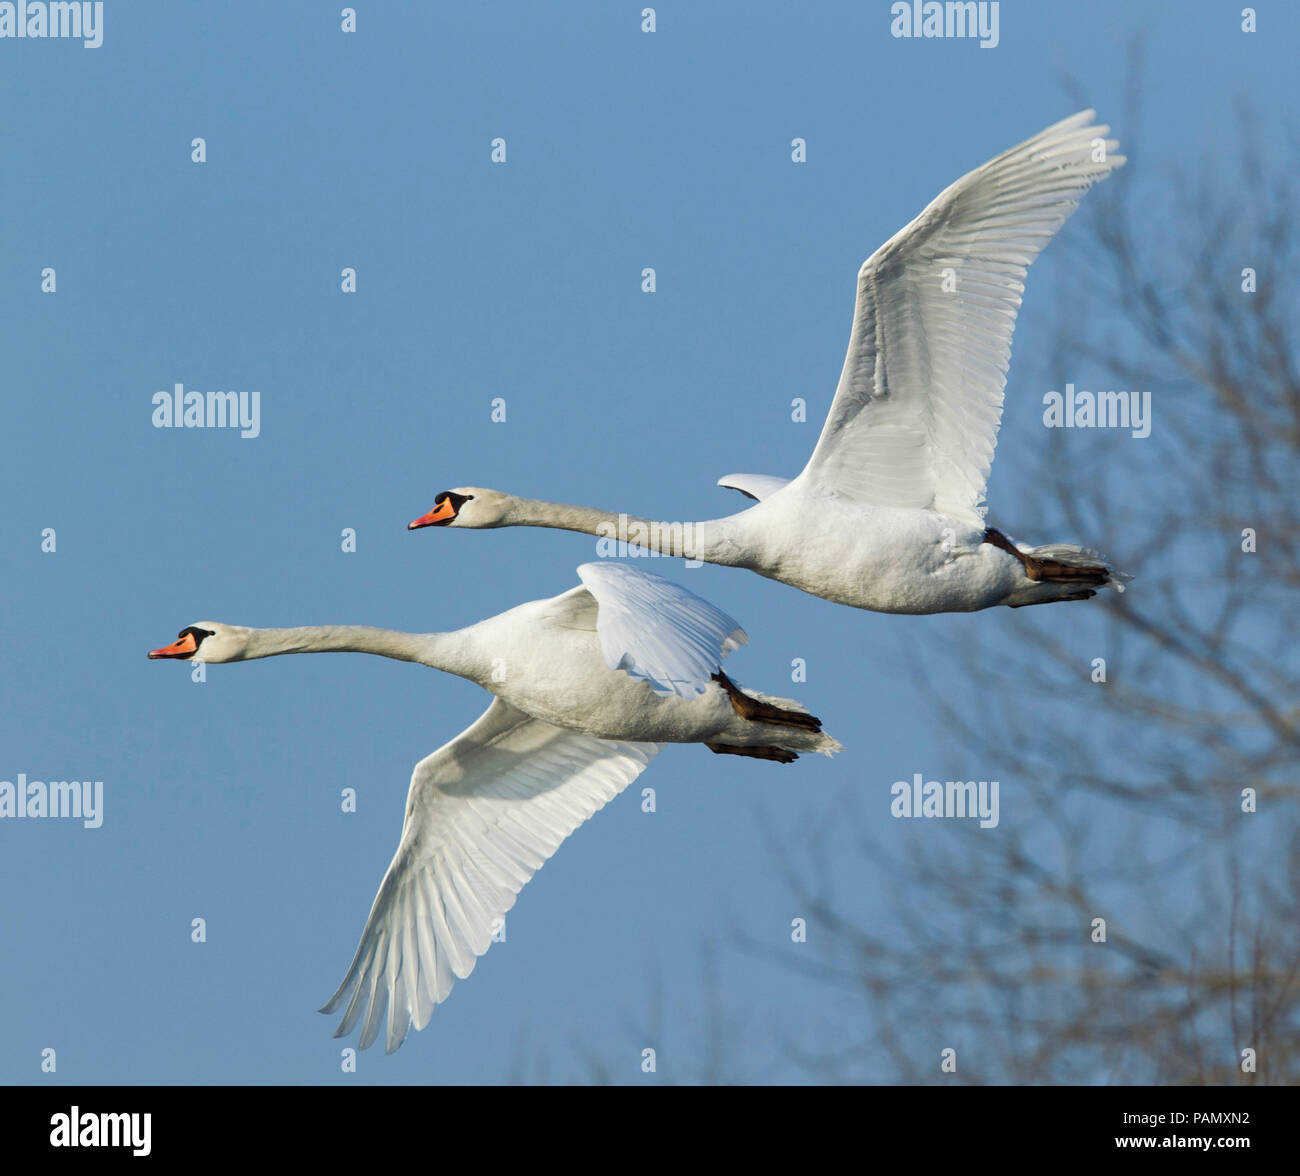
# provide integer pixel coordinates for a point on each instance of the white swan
(589, 685)
(886, 514)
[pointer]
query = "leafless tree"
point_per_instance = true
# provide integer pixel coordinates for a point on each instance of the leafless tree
(1136, 795)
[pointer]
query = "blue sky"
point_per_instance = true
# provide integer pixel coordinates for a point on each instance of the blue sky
(474, 281)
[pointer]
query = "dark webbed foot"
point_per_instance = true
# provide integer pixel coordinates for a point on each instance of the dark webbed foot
(764, 712)
(1086, 594)
(1049, 569)
(779, 754)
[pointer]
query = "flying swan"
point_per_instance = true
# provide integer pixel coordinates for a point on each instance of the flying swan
(588, 687)
(886, 514)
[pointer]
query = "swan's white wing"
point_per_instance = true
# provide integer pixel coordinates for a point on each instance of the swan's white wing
(658, 631)
(755, 486)
(915, 417)
(483, 814)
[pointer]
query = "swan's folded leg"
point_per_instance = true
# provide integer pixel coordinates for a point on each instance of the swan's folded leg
(995, 538)
(1069, 570)
(766, 753)
(748, 707)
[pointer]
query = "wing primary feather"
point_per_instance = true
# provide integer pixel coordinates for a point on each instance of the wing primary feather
(484, 812)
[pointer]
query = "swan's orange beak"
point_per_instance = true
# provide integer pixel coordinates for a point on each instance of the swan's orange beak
(182, 648)
(444, 512)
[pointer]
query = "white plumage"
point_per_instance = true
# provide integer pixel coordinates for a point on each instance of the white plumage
(484, 813)
(916, 413)
(886, 513)
(589, 686)
(658, 631)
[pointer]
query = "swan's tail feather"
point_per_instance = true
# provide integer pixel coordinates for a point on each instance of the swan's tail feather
(827, 745)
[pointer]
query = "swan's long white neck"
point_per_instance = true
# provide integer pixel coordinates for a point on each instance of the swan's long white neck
(695, 541)
(442, 651)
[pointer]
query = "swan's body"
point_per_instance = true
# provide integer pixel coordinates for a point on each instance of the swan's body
(887, 514)
(589, 685)
(888, 559)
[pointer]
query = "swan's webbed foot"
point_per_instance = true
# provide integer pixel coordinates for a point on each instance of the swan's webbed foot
(764, 712)
(779, 754)
(1086, 594)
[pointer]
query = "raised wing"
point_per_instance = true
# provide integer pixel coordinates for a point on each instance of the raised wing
(915, 417)
(482, 816)
(658, 631)
(755, 486)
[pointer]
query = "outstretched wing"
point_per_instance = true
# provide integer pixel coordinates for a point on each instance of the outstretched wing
(482, 816)
(915, 417)
(658, 631)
